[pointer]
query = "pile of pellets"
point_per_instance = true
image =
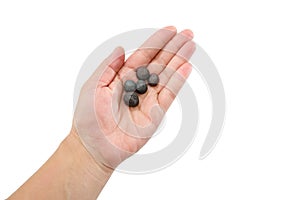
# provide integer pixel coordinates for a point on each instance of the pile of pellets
(132, 89)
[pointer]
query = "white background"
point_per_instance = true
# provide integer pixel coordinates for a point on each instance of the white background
(255, 45)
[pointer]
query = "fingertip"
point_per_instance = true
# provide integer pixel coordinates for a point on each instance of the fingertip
(187, 32)
(116, 58)
(118, 55)
(185, 70)
(119, 49)
(171, 28)
(118, 52)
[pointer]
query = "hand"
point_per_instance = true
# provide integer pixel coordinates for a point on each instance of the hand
(110, 130)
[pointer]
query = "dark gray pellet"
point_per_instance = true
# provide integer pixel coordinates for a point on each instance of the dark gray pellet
(129, 86)
(142, 73)
(153, 80)
(131, 99)
(141, 86)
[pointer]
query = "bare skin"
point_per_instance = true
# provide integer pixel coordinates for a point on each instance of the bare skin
(105, 131)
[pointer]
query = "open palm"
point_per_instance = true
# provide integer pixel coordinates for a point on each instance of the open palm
(112, 131)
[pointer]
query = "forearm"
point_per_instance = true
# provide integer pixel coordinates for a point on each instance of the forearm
(70, 173)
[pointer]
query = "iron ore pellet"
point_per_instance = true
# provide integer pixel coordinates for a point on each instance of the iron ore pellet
(131, 99)
(129, 86)
(141, 86)
(153, 80)
(142, 73)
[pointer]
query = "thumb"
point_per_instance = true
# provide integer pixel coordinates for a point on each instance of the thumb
(108, 69)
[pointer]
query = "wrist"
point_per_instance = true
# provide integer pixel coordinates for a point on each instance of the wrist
(82, 159)
(82, 174)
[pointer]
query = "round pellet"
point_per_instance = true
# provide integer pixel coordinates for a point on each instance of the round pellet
(142, 73)
(129, 86)
(141, 87)
(131, 99)
(153, 79)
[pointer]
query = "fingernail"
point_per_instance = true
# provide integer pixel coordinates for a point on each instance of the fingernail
(171, 28)
(188, 33)
(118, 51)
